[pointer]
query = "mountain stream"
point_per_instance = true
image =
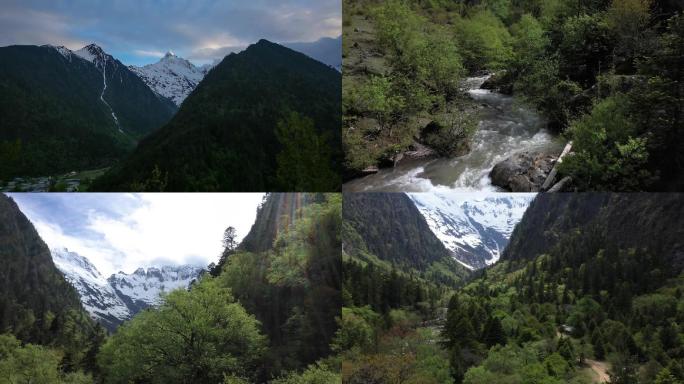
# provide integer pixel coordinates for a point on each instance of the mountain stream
(505, 127)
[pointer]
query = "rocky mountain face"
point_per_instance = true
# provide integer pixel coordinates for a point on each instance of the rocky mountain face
(475, 230)
(175, 77)
(97, 296)
(92, 53)
(134, 107)
(172, 77)
(113, 300)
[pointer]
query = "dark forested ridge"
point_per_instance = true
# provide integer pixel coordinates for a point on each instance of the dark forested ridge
(265, 119)
(621, 220)
(138, 108)
(38, 306)
(53, 118)
(392, 229)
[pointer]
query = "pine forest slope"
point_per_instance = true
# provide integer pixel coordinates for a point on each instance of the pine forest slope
(139, 110)
(225, 135)
(388, 227)
(54, 119)
(277, 212)
(640, 220)
(37, 304)
(55, 132)
(588, 280)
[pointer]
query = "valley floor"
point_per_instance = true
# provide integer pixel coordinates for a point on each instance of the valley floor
(68, 182)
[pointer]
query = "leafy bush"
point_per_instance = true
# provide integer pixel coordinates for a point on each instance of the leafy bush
(540, 86)
(528, 42)
(606, 155)
(484, 41)
(375, 98)
(357, 329)
(450, 135)
(34, 364)
(585, 48)
(314, 374)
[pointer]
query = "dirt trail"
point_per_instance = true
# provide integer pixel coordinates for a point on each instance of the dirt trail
(600, 368)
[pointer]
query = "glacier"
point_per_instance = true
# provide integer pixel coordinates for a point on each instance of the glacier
(476, 229)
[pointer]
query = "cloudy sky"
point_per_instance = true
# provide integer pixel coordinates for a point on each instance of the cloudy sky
(126, 231)
(140, 31)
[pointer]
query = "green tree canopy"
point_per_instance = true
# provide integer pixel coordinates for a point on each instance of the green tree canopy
(196, 336)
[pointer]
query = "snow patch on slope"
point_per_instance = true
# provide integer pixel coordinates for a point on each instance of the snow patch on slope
(64, 51)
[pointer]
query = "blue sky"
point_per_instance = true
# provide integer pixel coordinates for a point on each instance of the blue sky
(126, 231)
(140, 31)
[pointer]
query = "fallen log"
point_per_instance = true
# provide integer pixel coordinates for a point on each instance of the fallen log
(560, 185)
(554, 171)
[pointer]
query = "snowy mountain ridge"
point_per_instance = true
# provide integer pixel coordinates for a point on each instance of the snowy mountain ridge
(475, 230)
(143, 288)
(95, 55)
(64, 51)
(172, 77)
(113, 300)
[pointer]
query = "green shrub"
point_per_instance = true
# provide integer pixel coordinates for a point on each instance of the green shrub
(606, 155)
(484, 41)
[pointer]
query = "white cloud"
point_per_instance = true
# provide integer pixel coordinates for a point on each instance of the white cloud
(132, 29)
(164, 228)
(142, 52)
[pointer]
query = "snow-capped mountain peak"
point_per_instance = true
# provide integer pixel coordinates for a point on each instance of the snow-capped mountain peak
(94, 53)
(64, 51)
(113, 300)
(73, 263)
(172, 76)
(475, 230)
(97, 296)
(144, 287)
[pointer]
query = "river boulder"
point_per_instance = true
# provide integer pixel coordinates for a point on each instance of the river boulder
(501, 82)
(523, 172)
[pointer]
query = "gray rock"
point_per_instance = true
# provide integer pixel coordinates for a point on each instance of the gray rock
(420, 151)
(370, 170)
(523, 172)
(500, 82)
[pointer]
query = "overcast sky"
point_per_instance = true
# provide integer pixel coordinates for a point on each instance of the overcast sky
(126, 231)
(141, 31)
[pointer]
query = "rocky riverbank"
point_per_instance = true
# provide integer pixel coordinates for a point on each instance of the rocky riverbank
(523, 172)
